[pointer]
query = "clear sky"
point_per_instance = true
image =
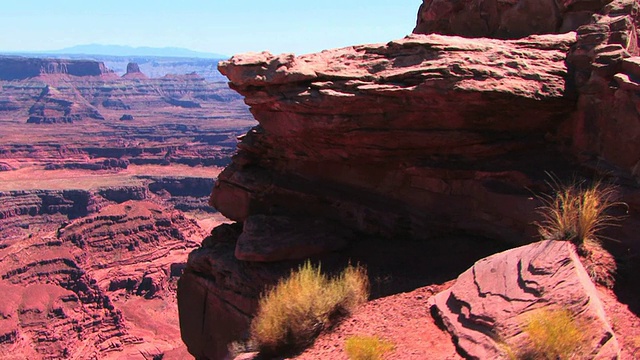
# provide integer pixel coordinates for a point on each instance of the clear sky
(216, 26)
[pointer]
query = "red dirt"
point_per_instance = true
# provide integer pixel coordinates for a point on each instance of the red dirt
(404, 319)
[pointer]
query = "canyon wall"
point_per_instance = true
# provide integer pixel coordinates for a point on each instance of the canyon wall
(92, 273)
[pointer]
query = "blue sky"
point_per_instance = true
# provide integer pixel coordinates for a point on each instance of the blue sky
(226, 27)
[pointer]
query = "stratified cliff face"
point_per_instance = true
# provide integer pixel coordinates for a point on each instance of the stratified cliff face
(19, 68)
(422, 136)
(402, 135)
(92, 273)
(54, 107)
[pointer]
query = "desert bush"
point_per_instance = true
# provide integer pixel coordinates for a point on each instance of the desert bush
(367, 347)
(577, 212)
(292, 314)
(553, 335)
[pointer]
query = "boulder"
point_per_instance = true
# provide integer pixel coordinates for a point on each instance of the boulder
(488, 307)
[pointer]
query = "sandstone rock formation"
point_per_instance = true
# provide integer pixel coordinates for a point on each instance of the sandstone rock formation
(504, 19)
(133, 72)
(55, 107)
(20, 68)
(169, 113)
(367, 122)
(75, 291)
(490, 304)
(422, 136)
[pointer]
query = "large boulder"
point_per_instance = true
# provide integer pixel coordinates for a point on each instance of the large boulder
(489, 306)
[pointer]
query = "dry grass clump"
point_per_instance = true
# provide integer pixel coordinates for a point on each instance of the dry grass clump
(577, 212)
(553, 335)
(367, 348)
(293, 313)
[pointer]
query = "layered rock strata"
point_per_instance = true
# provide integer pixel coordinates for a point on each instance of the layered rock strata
(422, 136)
(54, 107)
(504, 19)
(101, 285)
(368, 122)
(20, 68)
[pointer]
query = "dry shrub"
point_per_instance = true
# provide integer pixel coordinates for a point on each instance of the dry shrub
(293, 313)
(367, 347)
(577, 212)
(553, 335)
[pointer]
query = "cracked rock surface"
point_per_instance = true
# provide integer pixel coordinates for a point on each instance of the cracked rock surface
(499, 293)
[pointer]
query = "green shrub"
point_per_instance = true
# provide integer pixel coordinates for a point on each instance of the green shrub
(367, 347)
(553, 335)
(293, 313)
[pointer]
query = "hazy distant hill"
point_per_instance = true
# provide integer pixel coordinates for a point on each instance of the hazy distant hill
(152, 65)
(119, 50)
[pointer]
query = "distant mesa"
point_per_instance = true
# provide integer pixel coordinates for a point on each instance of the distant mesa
(133, 72)
(54, 106)
(126, 117)
(20, 68)
(115, 104)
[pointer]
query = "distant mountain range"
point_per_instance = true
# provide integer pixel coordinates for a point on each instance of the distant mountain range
(119, 50)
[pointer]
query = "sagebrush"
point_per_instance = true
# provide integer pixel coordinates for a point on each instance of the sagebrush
(292, 313)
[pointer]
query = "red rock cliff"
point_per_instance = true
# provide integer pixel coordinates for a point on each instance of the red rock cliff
(421, 136)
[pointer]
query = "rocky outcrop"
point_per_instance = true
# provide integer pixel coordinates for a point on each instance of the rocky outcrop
(225, 299)
(491, 303)
(504, 19)
(368, 122)
(277, 238)
(133, 72)
(358, 137)
(19, 68)
(53, 107)
(422, 136)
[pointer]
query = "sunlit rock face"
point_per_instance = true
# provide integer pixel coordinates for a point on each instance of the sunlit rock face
(452, 129)
(504, 19)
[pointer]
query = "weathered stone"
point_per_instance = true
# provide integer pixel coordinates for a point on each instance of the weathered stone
(378, 122)
(490, 304)
(431, 134)
(277, 238)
